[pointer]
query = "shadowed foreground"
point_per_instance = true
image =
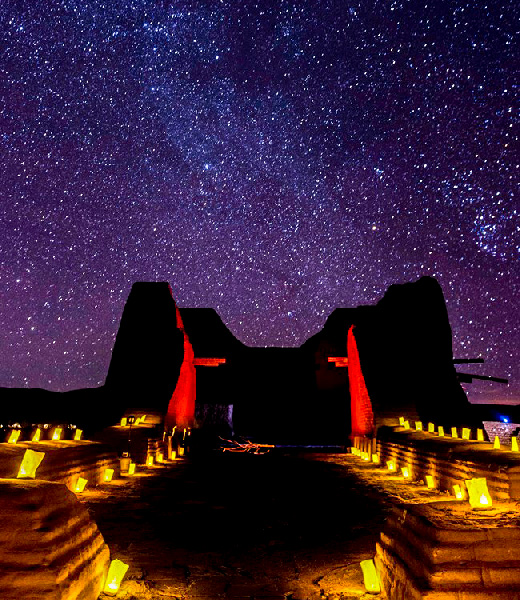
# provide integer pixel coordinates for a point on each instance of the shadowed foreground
(241, 526)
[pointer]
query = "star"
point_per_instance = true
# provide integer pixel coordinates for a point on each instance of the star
(273, 161)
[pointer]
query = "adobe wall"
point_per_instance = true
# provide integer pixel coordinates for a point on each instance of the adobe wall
(405, 349)
(452, 461)
(63, 462)
(421, 556)
(50, 549)
(434, 546)
(148, 351)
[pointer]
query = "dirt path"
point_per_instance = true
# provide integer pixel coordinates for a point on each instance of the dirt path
(241, 526)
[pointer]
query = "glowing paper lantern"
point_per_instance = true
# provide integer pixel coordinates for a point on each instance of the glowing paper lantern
(365, 455)
(143, 418)
(457, 490)
(160, 457)
(36, 436)
(375, 458)
(418, 426)
(431, 428)
(124, 462)
(149, 461)
(514, 444)
(370, 577)
(407, 424)
(466, 433)
(57, 434)
(30, 462)
(430, 482)
(137, 421)
(454, 433)
(390, 464)
(116, 572)
(174, 454)
(78, 434)
(108, 474)
(496, 443)
(401, 421)
(440, 431)
(480, 435)
(13, 436)
(80, 484)
(406, 472)
(124, 422)
(478, 493)
(131, 468)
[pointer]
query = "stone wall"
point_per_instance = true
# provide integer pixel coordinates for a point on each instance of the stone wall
(504, 431)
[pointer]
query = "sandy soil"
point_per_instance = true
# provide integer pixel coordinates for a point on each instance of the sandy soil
(242, 526)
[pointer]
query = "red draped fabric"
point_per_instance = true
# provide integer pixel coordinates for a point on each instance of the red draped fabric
(181, 409)
(360, 404)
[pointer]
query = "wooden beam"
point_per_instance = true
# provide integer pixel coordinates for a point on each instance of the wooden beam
(208, 362)
(339, 361)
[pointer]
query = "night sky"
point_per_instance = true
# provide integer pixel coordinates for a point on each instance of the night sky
(273, 160)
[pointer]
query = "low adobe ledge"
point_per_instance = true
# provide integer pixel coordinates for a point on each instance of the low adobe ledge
(50, 549)
(64, 461)
(451, 461)
(440, 551)
(433, 546)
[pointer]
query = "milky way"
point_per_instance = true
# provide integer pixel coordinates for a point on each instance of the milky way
(273, 160)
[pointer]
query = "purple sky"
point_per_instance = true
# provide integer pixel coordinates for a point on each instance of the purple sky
(273, 160)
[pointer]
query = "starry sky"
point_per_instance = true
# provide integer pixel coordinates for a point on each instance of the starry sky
(273, 160)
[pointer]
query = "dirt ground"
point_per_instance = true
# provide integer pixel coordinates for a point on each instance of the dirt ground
(241, 526)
